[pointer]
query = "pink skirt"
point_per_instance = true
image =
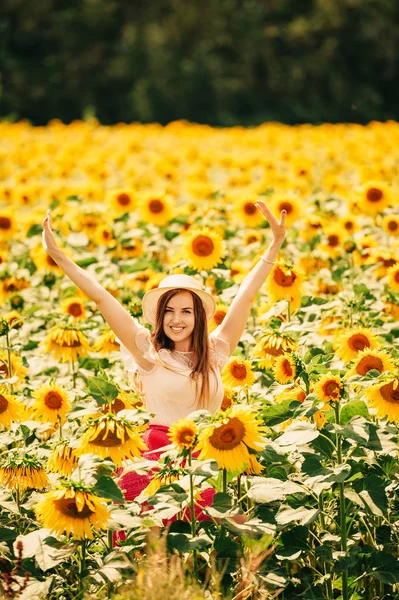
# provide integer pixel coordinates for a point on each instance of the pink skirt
(132, 484)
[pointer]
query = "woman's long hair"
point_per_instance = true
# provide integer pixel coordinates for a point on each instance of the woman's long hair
(200, 343)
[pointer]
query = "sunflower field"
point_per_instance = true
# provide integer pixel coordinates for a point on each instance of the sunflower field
(303, 455)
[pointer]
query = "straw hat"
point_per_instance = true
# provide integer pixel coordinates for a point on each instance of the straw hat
(172, 282)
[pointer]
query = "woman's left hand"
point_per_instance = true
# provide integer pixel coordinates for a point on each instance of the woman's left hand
(277, 227)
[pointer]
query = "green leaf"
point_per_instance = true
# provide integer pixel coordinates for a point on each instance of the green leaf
(107, 488)
(267, 489)
(34, 230)
(385, 568)
(293, 543)
(324, 481)
(289, 515)
(277, 413)
(353, 408)
(55, 204)
(371, 490)
(297, 434)
(103, 391)
(86, 262)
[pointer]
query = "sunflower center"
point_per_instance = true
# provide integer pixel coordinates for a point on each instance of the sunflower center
(3, 404)
(349, 225)
(396, 276)
(251, 239)
(67, 507)
(367, 363)
(5, 223)
(287, 368)
(117, 406)
(219, 316)
(75, 309)
(123, 199)
(228, 436)
(393, 225)
(111, 439)
(374, 194)
(358, 342)
(202, 245)
(287, 206)
(186, 436)
(106, 235)
(249, 208)
(3, 369)
(389, 393)
(333, 240)
(331, 388)
(156, 206)
(53, 400)
(284, 279)
(239, 371)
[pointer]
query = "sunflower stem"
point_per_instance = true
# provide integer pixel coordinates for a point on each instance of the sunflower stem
(60, 424)
(192, 511)
(224, 481)
(9, 361)
(288, 311)
(110, 540)
(342, 508)
(238, 489)
(82, 569)
(73, 373)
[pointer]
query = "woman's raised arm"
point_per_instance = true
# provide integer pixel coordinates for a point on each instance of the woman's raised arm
(236, 318)
(114, 313)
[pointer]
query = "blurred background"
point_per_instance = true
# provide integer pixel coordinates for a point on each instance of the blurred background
(222, 62)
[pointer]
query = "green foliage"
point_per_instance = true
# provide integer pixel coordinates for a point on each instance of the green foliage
(243, 61)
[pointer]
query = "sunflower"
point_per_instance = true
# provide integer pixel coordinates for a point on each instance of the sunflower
(285, 283)
(291, 206)
(284, 369)
(165, 476)
(254, 467)
(51, 403)
(311, 264)
(74, 306)
(252, 237)
(8, 224)
(393, 277)
(104, 236)
(121, 200)
(374, 197)
(385, 261)
(63, 459)
(130, 248)
(156, 209)
(67, 343)
(17, 367)
(22, 472)
(72, 509)
(183, 434)
(390, 224)
(10, 408)
(10, 285)
(350, 342)
(203, 248)
(230, 436)
(106, 343)
(114, 437)
(293, 393)
(43, 261)
(248, 213)
(237, 372)
(385, 398)
(329, 388)
(14, 319)
(228, 398)
(333, 241)
(349, 224)
(368, 360)
(218, 317)
(271, 345)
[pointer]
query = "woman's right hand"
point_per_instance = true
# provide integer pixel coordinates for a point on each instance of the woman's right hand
(48, 239)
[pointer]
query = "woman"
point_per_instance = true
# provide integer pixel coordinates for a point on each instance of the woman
(175, 368)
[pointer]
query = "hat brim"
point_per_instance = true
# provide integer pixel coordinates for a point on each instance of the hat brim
(151, 298)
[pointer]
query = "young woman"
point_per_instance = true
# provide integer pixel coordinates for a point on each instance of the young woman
(176, 367)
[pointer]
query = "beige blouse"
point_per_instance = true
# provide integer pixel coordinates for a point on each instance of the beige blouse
(167, 390)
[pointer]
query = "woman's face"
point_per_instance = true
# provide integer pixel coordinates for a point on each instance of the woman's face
(179, 320)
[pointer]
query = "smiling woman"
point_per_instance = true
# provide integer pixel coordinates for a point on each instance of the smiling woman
(176, 368)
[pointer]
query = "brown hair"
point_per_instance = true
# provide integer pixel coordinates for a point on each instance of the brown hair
(200, 342)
